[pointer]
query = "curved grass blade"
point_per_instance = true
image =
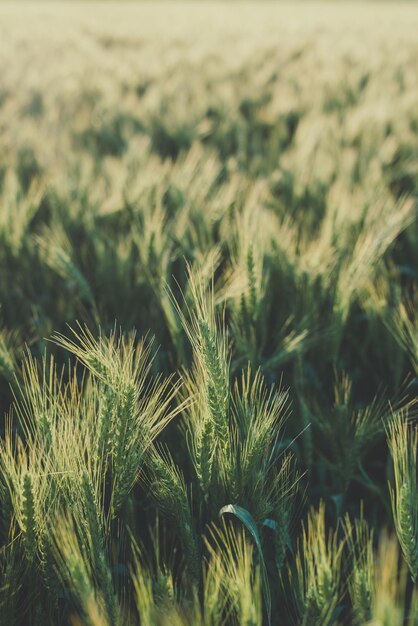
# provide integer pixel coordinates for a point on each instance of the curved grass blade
(247, 520)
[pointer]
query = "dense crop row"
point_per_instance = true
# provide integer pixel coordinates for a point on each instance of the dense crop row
(208, 315)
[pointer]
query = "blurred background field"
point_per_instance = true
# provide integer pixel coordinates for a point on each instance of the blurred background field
(295, 106)
(240, 181)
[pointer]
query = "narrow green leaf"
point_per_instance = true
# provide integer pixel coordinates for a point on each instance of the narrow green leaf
(247, 520)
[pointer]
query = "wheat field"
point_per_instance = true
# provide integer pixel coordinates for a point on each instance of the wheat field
(208, 313)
